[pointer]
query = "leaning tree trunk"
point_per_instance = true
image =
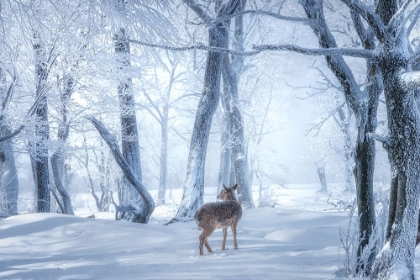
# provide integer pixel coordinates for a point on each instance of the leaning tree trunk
(193, 190)
(128, 212)
(42, 130)
(129, 133)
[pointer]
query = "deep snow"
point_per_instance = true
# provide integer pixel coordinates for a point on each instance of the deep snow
(299, 239)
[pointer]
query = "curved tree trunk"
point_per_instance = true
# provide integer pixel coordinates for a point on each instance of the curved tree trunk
(145, 210)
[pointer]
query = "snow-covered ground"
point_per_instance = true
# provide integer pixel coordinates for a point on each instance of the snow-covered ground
(299, 239)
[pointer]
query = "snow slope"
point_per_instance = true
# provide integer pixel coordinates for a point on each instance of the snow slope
(288, 242)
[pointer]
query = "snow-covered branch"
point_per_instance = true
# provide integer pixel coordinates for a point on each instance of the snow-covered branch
(261, 48)
(330, 51)
(410, 80)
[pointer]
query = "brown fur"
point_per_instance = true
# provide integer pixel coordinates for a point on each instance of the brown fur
(220, 214)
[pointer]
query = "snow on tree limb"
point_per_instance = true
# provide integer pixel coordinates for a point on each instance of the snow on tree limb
(261, 48)
(330, 51)
(111, 141)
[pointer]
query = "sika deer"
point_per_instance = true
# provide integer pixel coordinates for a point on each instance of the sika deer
(221, 214)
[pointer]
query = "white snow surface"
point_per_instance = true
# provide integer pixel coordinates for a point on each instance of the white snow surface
(286, 242)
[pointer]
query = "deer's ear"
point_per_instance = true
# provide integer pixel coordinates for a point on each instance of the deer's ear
(225, 187)
(234, 187)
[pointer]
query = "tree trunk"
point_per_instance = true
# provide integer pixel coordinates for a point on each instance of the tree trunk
(129, 133)
(396, 260)
(193, 190)
(239, 155)
(320, 169)
(225, 149)
(42, 130)
(403, 150)
(163, 156)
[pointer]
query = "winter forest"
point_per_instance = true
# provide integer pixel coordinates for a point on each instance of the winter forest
(120, 119)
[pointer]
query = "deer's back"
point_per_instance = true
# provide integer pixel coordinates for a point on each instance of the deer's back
(218, 214)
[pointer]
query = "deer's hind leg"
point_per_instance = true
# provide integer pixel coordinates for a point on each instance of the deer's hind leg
(203, 241)
(235, 243)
